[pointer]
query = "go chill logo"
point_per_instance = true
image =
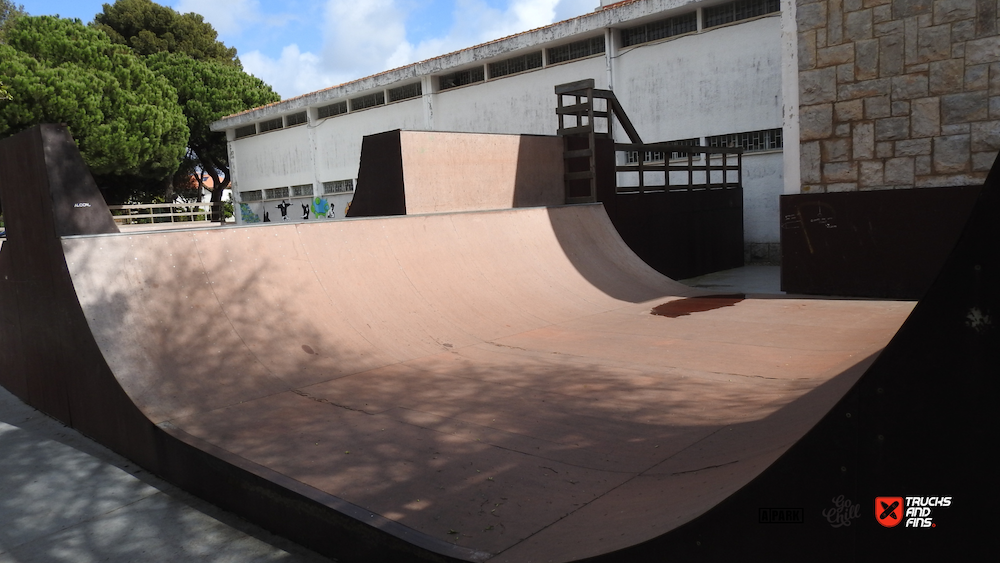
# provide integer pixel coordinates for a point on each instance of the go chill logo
(912, 512)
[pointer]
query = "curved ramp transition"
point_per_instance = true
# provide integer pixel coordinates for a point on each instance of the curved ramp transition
(494, 386)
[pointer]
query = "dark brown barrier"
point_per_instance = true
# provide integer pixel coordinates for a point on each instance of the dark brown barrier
(917, 427)
(887, 244)
(682, 233)
(380, 179)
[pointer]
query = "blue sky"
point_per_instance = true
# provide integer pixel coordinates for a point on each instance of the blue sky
(298, 46)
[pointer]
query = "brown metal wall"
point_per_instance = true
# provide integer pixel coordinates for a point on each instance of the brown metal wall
(886, 243)
(380, 177)
(681, 233)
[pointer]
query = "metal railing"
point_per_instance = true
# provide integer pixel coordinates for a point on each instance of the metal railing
(579, 121)
(714, 170)
(166, 213)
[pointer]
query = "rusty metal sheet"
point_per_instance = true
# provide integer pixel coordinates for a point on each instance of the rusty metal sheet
(885, 243)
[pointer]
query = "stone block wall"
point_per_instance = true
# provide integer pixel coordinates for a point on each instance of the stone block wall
(897, 93)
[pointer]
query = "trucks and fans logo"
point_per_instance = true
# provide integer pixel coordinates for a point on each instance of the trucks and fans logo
(889, 511)
(912, 512)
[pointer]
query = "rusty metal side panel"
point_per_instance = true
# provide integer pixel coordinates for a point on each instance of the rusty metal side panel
(920, 422)
(49, 357)
(380, 178)
(681, 234)
(870, 244)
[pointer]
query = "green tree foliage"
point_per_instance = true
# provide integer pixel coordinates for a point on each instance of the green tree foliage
(125, 118)
(9, 11)
(148, 28)
(207, 75)
(207, 91)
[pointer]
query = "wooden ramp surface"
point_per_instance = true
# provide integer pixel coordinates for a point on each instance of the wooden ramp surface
(494, 384)
(493, 381)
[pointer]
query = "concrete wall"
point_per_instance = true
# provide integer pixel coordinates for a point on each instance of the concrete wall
(723, 80)
(896, 94)
(717, 81)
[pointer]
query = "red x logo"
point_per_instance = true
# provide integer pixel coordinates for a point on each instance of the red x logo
(889, 511)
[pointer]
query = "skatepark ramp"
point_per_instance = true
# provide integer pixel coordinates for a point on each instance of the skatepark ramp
(501, 385)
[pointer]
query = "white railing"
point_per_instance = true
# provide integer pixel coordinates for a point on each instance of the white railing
(166, 213)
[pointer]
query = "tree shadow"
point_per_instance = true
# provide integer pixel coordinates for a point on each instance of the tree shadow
(337, 358)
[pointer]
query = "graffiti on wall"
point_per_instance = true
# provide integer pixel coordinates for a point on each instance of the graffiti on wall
(247, 214)
(283, 208)
(322, 208)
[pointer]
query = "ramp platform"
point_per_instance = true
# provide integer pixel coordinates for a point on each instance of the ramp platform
(509, 385)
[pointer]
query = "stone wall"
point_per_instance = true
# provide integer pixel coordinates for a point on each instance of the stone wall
(897, 93)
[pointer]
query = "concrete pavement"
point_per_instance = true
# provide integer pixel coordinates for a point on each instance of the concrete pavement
(63, 497)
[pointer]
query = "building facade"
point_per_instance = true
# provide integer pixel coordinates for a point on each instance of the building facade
(681, 70)
(824, 95)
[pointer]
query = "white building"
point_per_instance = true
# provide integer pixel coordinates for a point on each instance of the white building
(824, 96)
(682, 69)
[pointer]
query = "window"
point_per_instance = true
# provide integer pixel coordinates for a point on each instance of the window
(660, 29)
(576, 50)
(332, 110)
(371, 100)
(296, 119)
(632, 157)
(270, 125)
(250, 196)
(405, 92)
(338, 187)
(764, 140)
(647, 156)
(302, 190)
(246, 131)
(739, 10)
(276, 193)
(687, 143)
(462, 78)
(516, 64)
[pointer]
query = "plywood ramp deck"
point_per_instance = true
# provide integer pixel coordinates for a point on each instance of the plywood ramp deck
(491, 380)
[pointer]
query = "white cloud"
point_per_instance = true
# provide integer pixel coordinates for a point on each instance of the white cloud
(365, 37)
(293, 73)
(360, 37)
(476, 22)
(228, 17)
(571, 8)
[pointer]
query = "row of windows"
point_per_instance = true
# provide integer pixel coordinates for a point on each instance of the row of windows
(513, 65)
(405, 92)
(669, 27)
(576, 50)
(657, 156)
(662, 29)
(686, 23)
(461, 78)
(739, 10)
(749, 141)
(300, 190)
(271, 124)
(338, 186)
(764, 140)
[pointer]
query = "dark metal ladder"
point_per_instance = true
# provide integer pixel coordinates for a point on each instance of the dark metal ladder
(584, 114)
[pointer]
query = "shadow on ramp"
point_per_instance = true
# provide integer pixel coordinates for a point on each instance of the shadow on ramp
(492, 385)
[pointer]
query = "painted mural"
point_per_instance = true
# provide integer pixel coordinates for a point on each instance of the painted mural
(321, 208)
(294, 209)
(247, 214)
(283, 208)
